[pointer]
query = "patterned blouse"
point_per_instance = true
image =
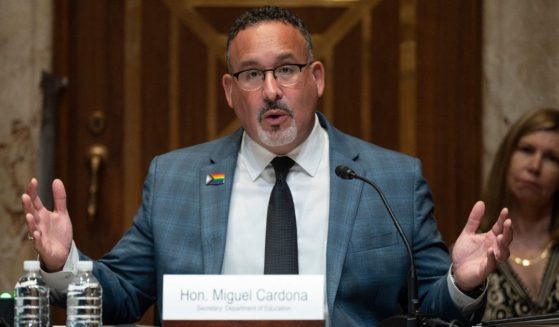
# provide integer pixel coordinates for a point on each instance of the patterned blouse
(507, 296)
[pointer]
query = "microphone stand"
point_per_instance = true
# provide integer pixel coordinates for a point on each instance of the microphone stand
(412, 318)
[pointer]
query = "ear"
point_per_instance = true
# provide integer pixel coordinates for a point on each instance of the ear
(317, 70)
(227, 83)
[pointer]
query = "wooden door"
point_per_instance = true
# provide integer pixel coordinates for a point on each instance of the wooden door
(144, 78)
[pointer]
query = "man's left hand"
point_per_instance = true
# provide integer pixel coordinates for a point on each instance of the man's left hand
(476, 255)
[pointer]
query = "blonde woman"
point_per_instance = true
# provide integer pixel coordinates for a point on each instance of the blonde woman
(525, 178)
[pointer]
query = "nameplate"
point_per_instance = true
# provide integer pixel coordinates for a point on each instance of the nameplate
(243, 297)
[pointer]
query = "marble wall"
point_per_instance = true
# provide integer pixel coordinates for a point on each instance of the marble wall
(25, 51)
(520, 64)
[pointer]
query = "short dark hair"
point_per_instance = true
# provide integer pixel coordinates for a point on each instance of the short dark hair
(265, 14)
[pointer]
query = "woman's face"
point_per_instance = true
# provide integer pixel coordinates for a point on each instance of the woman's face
(533, 176)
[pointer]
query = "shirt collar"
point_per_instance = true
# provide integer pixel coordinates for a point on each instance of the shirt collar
(307, 155)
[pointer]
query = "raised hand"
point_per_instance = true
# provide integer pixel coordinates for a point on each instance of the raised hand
(474, 255)
(50, 231)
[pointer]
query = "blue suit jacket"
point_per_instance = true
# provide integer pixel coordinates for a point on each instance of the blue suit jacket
(181, 225)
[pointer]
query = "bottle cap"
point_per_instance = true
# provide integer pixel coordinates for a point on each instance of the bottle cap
(31, 265)
(85, 265)
(5, 295)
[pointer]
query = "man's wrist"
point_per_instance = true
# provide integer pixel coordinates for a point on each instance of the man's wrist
(473, 293)
(49, 270)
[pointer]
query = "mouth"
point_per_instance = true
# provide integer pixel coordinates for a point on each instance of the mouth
(530, 184)
(275, 116)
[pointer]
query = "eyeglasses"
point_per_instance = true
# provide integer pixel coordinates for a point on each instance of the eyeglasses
(253, 79)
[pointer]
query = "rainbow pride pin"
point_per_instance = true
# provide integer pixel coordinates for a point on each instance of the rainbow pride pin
(215, 179)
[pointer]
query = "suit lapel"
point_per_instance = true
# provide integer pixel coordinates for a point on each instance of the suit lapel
(344, 200)
(214, 202)
(345, 196)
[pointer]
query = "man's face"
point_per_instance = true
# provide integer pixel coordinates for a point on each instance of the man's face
(277, 117)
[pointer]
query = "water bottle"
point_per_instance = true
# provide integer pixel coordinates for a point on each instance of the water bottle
(31, 295)
(84, 301)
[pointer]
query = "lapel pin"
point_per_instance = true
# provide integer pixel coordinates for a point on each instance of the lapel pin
(215, 179)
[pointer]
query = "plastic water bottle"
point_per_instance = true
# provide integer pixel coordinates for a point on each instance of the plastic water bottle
(31, 294)
(84, 300)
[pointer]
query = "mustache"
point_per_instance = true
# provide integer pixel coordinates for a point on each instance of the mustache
(274, 105)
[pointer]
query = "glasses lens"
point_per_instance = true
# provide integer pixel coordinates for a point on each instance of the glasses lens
(287, 74)
(251, 79)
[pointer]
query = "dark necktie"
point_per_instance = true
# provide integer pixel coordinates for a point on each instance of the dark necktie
(281, 227)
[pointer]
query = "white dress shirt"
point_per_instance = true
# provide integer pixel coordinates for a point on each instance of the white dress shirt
(309, 182)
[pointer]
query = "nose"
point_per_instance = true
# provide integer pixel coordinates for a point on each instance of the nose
(271, 90)
(535, 163)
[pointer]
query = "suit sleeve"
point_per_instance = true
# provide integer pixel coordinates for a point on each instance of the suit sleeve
(431, 257)
(127, 272)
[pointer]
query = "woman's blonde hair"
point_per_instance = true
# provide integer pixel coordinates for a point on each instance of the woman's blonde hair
(495, 193)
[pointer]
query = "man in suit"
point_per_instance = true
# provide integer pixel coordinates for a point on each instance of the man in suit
(193, 222)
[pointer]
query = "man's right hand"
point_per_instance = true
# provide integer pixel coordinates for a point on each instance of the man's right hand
(51, 231)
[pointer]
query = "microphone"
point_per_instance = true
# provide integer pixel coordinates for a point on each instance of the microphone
(345, 172)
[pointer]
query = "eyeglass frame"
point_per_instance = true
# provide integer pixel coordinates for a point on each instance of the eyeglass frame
(273, 70)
